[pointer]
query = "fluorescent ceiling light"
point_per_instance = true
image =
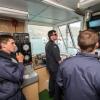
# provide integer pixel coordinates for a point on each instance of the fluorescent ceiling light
(86, 0)
(12, 11)
(50, 2)
(87, 3)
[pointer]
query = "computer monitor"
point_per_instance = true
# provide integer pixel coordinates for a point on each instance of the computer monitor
(94, 23)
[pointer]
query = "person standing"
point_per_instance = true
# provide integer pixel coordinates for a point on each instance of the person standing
(11, 70)
(79, 76)
(53, 60)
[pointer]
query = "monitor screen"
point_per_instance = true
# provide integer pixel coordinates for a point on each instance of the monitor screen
(94, 23)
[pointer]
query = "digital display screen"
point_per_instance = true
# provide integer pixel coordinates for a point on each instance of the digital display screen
(94, 23)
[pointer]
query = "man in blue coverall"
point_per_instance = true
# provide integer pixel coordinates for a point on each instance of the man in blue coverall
(11, 70)
(53, 60)
(79, 76)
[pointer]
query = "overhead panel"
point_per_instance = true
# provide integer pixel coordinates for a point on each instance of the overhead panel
(66, 3)
(54, 13)
(57, 14)
(35, 8)
(45, 13)
(14, 4)
(13, 8)
(41, 12)
(46, 20)
(84, 4)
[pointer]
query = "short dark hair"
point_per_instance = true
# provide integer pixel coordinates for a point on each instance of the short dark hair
(87, 40)
(5, 38)
(50, 33)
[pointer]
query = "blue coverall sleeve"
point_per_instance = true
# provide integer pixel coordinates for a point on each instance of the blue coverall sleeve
(11, 76)
(11, 71)
(7, 90)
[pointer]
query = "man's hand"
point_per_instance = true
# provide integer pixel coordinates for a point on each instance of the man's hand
(19, 57)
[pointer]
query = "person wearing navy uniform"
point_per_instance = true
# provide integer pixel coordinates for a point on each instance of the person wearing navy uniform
(11, 70)
(53, 60)
(79, 76)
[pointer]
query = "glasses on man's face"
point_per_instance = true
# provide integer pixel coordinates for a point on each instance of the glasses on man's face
(54, 34)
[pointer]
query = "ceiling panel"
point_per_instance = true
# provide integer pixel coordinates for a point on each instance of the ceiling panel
(41, 12)
(56, 13)
(35, 8)
(54, 20)
(14, 4)
(45, 20)
(70, 3)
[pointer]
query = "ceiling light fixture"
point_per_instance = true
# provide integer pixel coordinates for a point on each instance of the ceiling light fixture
(86, 0)
(87, 3)
(12, 11)
(50, 2)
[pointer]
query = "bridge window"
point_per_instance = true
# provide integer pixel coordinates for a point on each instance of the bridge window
(68, 37)
(74, 29)
(38, 38)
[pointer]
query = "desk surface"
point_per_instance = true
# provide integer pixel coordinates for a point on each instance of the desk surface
(30, 79)
(38, 67)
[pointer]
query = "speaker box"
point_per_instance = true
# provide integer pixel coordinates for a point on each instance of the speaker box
(24, 46)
